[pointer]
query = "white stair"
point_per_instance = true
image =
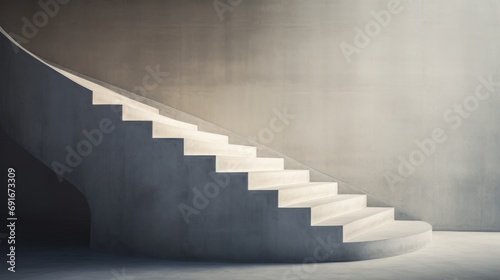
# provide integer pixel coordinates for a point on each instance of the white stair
(331, 206)
(260, 179)
(391, 230)
(290, 194)
(99, 97)
(202, 148)
(246, 164)
(327, 208)
(358, 221)
(162, 130)
(133, 114)
(237, 220)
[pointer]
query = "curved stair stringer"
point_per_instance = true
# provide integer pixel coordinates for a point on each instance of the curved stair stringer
(137, 185)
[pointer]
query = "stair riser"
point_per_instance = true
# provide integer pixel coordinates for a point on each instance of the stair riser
(289, 196)
(260, 180)
(195, 148)
(325, 211)
(166, 131)
(249, 164)
(352, 229)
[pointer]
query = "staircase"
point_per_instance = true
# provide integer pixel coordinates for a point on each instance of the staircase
(159, 187)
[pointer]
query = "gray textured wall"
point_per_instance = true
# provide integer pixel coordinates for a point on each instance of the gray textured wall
(354, 115)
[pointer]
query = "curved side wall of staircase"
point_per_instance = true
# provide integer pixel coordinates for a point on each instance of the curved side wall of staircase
(46, 113)
(148, 197)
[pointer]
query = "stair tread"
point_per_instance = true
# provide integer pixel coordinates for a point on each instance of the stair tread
(349, 217)
(392, 230)
(323, 200)
(300, 185)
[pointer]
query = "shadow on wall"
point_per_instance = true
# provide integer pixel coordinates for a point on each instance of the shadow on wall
(48, 211)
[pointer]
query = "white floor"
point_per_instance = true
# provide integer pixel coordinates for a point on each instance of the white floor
(452, 255)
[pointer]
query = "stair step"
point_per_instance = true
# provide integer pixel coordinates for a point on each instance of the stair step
(392, 230)
(88, 84)
(161, 130)
(247, 164)
(132, 114)
(99, 97)
(359, 221)
(331, 206)
(261, 179)
(103, 95)
(295, 193)
(81, 81)
(202, 148)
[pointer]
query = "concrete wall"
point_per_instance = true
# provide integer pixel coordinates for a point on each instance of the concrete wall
(355, 117)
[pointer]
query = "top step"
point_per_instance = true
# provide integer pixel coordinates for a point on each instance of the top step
(103, 95)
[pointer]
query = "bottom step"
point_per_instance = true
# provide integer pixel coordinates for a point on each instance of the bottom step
(392, 230)
(390, 239)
